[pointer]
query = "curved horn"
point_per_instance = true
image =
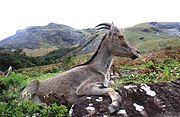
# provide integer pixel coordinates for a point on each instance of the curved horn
(105, 24)
(103, 28)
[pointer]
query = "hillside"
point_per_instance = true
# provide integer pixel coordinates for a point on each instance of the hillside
(45, 38)
(40, 40)
(154, 36)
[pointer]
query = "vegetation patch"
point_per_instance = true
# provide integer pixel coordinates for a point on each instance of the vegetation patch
(40, 51)
(10, 88)
(152, 67)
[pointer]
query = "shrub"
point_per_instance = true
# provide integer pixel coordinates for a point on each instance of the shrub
(10, 88)
(30, 108)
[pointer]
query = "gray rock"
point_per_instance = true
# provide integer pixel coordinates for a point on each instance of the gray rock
(138, 100)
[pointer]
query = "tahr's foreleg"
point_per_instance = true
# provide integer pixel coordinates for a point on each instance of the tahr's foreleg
(88, 88)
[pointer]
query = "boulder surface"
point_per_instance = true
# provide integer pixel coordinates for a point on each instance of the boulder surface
(160, 99)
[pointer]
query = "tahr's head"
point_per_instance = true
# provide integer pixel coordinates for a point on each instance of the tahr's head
(117, 43)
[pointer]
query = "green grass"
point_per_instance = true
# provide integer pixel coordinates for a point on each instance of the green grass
(163, 71)
(133, 34)
(158, 44)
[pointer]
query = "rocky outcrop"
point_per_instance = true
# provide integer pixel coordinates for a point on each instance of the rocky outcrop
(138, 100)
(170, 28)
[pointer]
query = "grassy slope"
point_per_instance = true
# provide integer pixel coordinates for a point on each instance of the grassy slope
(150, 41)
(40, 51)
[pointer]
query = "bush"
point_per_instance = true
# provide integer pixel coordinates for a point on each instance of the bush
(164, 70)
(10, 88)
(30, 108)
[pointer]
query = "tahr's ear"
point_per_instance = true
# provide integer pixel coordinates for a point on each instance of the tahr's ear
(111, 31)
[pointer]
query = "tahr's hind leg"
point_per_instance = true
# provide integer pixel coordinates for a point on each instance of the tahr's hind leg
(29, 92)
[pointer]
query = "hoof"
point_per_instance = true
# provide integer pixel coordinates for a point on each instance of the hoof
(114, 107)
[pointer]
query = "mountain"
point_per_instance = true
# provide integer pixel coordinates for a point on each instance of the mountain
(40, 40)
(45, 37)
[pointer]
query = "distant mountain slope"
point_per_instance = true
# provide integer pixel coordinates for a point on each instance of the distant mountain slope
(36, 37)
(154, 36)
(39, 40)
(169, 28)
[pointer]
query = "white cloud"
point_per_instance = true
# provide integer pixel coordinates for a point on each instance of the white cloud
(19, 14)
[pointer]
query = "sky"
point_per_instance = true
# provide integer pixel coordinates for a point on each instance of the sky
(20, 14)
